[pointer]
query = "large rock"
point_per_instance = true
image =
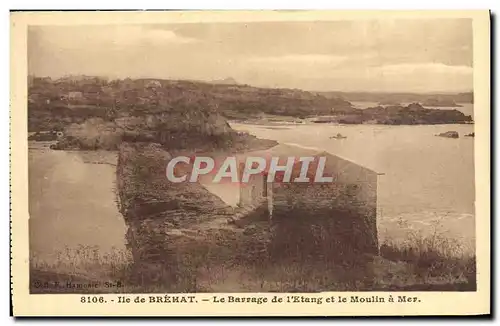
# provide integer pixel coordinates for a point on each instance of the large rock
(449, 134)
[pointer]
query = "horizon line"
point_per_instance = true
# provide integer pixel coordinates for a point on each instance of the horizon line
(255, 86)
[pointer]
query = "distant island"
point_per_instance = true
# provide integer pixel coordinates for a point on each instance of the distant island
(396, 98)
(389, 102)
(412, 114)
(225, 81)
(436, 102)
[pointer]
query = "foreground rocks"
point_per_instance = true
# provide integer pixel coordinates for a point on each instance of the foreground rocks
(176, 230)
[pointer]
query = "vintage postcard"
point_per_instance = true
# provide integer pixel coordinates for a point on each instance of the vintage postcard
(239, 163)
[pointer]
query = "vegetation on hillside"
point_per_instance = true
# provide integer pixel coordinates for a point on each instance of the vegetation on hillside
(183, 108)
(56, 103)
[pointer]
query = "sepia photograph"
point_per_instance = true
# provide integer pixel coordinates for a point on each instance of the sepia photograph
(276, 156)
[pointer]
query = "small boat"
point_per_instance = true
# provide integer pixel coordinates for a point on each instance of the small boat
(338, 136)
(470, 135)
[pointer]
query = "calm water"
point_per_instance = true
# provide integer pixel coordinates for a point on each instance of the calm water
(72, 205)
(428, 182)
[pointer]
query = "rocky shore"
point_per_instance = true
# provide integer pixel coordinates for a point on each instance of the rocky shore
(412, 114)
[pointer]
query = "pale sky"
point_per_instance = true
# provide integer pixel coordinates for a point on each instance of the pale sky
(379, 55)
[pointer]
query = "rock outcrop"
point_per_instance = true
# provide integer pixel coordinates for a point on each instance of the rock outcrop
(197, 131)
(413, 114)
(179, 99)
(176, 230)
(449, 134)
(436, 102)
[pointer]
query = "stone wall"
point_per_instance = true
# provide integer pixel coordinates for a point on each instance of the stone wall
(176, 231)
(252, 191)
(328, 221)
(333, 222)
